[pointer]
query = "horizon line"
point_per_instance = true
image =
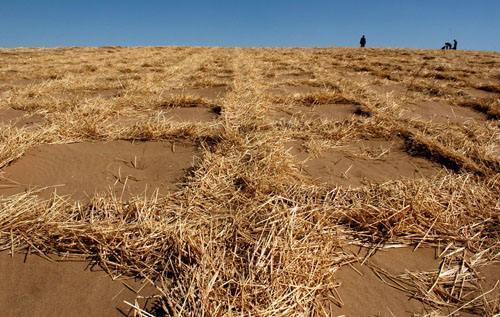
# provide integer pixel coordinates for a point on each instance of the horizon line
(236, 47)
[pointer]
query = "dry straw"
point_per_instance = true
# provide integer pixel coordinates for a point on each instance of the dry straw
(247, 233)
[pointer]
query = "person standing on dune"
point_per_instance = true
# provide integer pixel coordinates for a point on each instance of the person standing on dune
(362, 42)
(455, 43)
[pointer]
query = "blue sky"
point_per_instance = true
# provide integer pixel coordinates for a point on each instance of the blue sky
(386, 23)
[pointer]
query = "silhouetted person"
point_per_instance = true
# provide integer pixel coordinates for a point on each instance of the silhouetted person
(455, 43)
(362, 42)
(447, 46)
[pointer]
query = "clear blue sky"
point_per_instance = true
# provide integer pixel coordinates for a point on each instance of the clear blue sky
(386, 23)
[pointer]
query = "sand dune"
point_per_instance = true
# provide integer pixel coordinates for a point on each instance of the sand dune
(249, 182)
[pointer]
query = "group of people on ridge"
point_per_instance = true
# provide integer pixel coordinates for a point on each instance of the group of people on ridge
(447, 45)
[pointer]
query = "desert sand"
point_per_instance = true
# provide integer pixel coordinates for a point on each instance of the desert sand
(34, 286)
(195, 181)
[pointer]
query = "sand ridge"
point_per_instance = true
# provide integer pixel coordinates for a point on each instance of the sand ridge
(34, 286)
(331, 112)
(362, 162)
(441, 112)
(361, 285)
(82, 169)
(19, 118)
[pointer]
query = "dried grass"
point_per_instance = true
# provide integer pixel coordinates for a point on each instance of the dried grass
(247, 233)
